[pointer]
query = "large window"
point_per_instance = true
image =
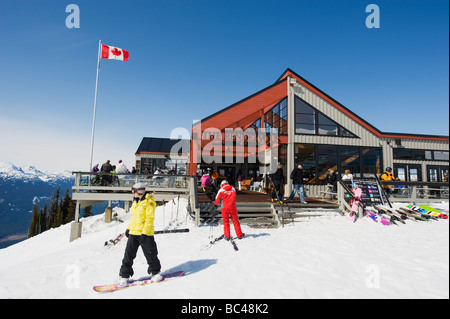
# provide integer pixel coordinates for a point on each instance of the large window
(326, 126)
(350, 159)
(408, 172)
(309, 121)
(305, 118)
(276, 118)
(318, 159)
(306, 156)
(327, 158)
(149, 165)
(437, 173)
(440, 156)
(420, 155)
(371, 161)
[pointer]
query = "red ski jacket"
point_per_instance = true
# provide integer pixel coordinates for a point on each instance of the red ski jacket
(228, 194)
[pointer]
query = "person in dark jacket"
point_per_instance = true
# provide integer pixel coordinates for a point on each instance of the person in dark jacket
(278, 184)
(297, 180)
(106, 168)
(331, 180)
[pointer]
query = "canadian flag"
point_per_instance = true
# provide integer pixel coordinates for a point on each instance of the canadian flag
(109, 52)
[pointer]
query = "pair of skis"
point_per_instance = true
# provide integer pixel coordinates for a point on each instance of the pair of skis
(174, 223)
(112, 242)
(215, 240)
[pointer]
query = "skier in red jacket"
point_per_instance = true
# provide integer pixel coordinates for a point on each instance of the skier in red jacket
(228, 194)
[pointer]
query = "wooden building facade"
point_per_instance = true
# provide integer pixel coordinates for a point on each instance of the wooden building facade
(314, 130)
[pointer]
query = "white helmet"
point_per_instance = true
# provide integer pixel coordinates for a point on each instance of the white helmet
(139, 188)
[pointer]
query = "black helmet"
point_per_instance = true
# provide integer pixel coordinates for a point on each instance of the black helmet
(388, 169)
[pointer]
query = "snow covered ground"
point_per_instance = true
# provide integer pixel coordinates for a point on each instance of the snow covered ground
(320, 257)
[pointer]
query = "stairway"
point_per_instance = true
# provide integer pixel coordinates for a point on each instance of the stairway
(266, 215)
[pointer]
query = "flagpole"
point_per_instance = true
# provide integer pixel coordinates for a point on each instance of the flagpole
(95, 103)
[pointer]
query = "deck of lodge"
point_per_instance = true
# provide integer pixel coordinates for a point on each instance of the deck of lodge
(257, 209)
(254, 208)
(247, 196)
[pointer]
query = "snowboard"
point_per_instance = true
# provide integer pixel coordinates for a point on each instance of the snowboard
(415, 214)
(435, 212)
(355, 204)
(138, 282)
(422, 212)
(393, 215)
(374, 216)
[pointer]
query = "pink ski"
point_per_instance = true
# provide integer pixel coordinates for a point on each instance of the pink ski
(357, 197)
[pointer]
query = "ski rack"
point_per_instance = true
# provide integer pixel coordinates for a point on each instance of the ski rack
(350, 192)
(345, 205)
(383, 193)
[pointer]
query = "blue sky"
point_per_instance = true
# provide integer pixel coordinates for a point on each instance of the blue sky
(191, 58)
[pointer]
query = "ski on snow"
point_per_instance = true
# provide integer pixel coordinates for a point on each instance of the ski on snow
(215, 240)
(234, 244)
(138, 282)
(212, 242)
(113, 242)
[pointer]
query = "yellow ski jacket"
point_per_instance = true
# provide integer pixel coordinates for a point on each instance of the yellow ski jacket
(142, 216)
(387, 176)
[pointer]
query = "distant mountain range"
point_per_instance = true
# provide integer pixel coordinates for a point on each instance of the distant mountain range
(20, 188)
(31, 173)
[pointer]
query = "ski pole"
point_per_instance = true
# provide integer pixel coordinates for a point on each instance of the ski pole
(178, 205)
(164, 205)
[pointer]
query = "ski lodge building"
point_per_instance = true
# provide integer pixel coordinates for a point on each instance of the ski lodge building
(313, 129)
(155, 152)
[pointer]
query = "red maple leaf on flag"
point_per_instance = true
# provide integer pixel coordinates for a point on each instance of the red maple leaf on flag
(116, 52)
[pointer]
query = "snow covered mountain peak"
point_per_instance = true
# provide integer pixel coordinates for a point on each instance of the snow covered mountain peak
(10, 171)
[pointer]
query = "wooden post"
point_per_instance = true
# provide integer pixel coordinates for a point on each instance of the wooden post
(108, 215)
(75, 227)
(75, 230)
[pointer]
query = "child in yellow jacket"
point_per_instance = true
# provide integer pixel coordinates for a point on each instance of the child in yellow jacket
(140, 232)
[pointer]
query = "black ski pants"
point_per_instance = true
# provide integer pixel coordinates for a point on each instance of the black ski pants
(149, 249)
(278, 190)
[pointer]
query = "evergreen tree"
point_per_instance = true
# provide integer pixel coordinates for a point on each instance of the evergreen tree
(70, 212)
(57, 220)
(60, 212)
(87, 211)
(53, 209)
(65, 206)
(33, 230)
(43, 219)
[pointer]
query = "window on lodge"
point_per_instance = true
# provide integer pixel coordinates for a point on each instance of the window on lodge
(274, 119)
(437, 173)
(318, 159)
(310, 121)
(420, 155)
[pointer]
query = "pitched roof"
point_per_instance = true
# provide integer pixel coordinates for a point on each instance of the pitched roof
(158, 145)
(358, 119)
(246, 110)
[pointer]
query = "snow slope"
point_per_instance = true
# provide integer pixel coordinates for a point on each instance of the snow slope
(320, 257)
